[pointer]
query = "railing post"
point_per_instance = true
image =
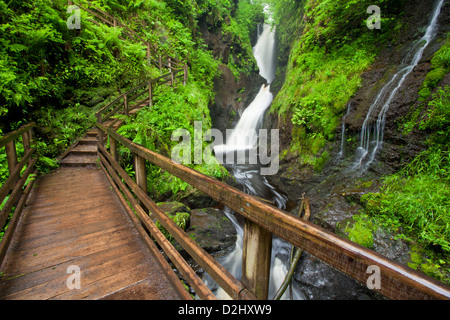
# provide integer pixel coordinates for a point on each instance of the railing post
(26, 140)
(149, 54)
(256, 259)
(11, 156)
(171, 72)
(141, 173)
(125, 104)
(150, 94)
(101, 138)
(185, 76)
(113, 148)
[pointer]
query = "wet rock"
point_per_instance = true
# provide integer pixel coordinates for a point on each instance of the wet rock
(336, 210)
(319, 281)
(173, 207)
(211, 229)
(232, 96)
(198, 199)
(385, 244)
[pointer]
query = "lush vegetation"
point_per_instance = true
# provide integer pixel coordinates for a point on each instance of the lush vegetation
(60, 77)
(324, 67)
(326, 46)
(415, 201)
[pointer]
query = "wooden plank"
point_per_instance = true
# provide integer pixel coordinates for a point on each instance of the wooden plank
(256, 259)
(397, 281)
(201, 289)
(96, 236)
(18, 284)
(150, 244)
(227, 281)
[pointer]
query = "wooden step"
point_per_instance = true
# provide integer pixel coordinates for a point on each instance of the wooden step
(92, 133)
(88, 140)
(85, 149)
(79, 160)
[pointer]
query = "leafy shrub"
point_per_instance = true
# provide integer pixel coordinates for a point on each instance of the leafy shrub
(180, 218)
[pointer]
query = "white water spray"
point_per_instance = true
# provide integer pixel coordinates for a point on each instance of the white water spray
(371, 138)
(244, 137)
(342, 152)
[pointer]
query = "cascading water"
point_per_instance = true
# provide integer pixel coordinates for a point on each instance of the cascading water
(342, 152)
(244, 137)
(371, 138)
(264, 52)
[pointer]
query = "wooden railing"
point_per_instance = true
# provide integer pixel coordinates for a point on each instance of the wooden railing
(143, 93)
(261, 221)
(155, 56)
(135, 193)
(19, 172)
(136, 97)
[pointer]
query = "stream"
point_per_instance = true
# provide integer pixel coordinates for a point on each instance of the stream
(242, 141)
(245, 138)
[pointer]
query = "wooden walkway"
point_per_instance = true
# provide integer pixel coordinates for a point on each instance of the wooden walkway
(74, 218)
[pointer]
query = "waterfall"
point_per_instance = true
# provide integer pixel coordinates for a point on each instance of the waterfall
(371, 137)
(264, 52)
(244, 137)
(342, 152)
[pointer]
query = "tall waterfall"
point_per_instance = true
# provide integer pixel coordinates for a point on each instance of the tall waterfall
(264, 52)
(371, 138)
(244, 137)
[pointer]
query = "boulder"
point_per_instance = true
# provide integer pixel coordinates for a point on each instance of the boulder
(211, 229)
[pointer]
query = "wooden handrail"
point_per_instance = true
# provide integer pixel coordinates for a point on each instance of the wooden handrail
(15, 134)
(228, 282)
(110, 20)
(397, 281)
(15, 183)
(145, 88)
(131, 34)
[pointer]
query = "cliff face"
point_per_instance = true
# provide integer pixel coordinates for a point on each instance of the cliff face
(334, 190)
(232, 93)
(398, 148)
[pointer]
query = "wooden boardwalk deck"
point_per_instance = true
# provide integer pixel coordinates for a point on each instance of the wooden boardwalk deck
(73, 218)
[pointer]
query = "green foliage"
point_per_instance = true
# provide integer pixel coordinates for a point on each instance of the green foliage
(325, 65)
(440, 66)
(49, 73)
(415, 201)
(172, 109)
(239, 30)
(61, 128)
(360, 230)
(437, 119)
(418, 197)
(180, 218)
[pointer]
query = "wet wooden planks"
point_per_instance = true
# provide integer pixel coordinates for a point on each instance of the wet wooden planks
(73, 218)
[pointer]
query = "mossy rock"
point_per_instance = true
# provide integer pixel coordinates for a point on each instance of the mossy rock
(178, 212)
(357, 230)
(211, 229)
(173, 207)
